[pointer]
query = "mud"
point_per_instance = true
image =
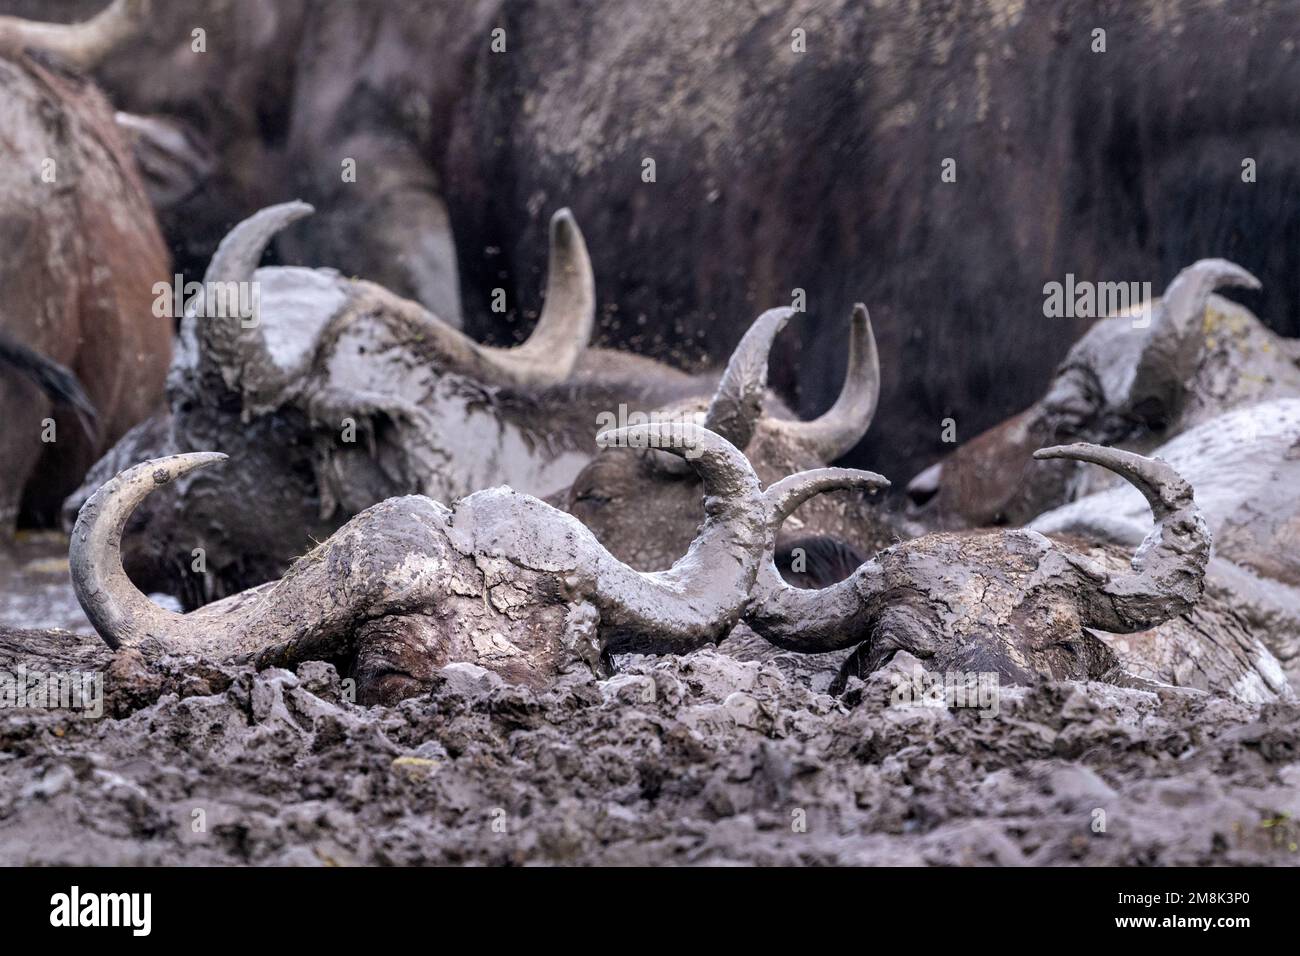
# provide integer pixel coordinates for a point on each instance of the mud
(701, 759)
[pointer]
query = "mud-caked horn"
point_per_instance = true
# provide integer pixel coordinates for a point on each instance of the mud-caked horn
(806, 620)
(1185, 298)
(702, 595)
(737, 404)
(835, 432)
(225, 318)
(568, 316)
(1174, 341)
(1167, 575)
(120, 613)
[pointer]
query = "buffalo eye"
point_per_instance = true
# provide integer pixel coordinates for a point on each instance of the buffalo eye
(590, 496)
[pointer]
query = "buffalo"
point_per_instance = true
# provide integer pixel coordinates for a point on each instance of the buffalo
(509, 583)
(335, 394)
(1245, 466)
(620, 486)
(499, 579)
(86, 358)
(1133, 380)
(1017, 604)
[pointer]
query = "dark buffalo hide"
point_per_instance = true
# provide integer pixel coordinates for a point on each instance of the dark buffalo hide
(821, 170)
(775, 169)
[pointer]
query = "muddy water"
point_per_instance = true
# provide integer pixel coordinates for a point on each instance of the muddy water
(35, 589)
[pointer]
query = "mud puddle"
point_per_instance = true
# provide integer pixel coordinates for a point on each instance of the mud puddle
(35, 589)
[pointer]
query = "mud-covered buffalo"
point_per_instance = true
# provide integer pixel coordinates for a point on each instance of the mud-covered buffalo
(461, 433)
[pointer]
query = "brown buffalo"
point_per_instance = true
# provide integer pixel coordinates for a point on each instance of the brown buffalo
(82, 254)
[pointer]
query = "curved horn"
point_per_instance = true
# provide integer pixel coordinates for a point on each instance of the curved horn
(547, 357)
(119, 612)
(1168, 570)
(81, 45)
(233, 345)
(843, 425)
(241, 250)
(1173, 341)
(568, 315)
(305, 614)
(701, 596)
(737, 402)
(1184, 300)
(812, 621)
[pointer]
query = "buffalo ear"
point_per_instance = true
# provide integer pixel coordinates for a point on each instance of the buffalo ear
(175, 159)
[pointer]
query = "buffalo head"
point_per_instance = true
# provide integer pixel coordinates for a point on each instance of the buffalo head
(1014, 603)
(645, 505)
(500, 579)
(1132, 380)
(335, 394)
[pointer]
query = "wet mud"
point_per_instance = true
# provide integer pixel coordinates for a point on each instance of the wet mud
(699, 759)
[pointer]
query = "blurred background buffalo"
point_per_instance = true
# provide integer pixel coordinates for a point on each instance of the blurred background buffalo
(795, 146)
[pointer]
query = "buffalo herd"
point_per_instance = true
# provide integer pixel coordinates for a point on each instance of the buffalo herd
(531, 333)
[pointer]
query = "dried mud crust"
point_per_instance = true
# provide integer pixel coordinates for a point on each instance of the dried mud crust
(696, 759)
